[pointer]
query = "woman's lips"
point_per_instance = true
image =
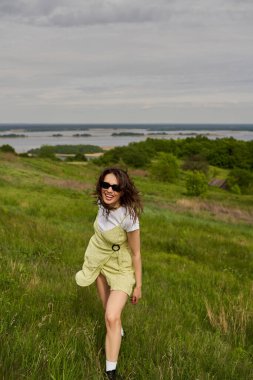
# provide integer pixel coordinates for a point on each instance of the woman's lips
(109, 197)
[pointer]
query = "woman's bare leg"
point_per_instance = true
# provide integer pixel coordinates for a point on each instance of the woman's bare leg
(115, 304)
(103, 289)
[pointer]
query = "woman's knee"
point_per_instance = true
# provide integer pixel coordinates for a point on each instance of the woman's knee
(112, 319)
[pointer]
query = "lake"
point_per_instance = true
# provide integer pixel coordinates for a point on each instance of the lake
(103, 136)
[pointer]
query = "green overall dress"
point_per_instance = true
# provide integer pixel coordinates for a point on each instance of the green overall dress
(108, 253)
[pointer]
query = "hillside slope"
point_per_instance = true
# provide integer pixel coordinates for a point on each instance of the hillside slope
(195, 320)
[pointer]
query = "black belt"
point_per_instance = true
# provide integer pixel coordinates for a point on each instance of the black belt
(115, 247)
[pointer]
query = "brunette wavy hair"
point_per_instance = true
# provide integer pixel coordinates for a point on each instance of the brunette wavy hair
(130, 196)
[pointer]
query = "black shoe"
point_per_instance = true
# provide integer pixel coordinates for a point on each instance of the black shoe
(111, 374)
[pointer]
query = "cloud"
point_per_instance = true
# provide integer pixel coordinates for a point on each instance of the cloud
(79, 13)
(83, 13)
(26, 10)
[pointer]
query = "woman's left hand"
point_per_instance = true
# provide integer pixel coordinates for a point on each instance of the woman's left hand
(136, 295)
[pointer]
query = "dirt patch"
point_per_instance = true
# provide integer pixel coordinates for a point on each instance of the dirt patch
(108, 147)
(94, 155)
(216, 209)
(67, 184)
(7, 178)
(11, 157)
(138, 172)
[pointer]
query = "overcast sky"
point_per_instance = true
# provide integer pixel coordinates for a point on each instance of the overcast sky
(106, 61)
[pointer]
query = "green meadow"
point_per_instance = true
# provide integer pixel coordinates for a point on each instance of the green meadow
(195, 320)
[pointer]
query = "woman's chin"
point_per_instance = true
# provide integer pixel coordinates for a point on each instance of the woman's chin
(111, 204)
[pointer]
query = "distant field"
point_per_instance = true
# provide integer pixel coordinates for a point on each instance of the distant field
(195, 320)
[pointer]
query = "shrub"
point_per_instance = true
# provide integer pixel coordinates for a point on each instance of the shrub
(137, 158)
(7, 149)
(164, 167)
(235, 189)
(196, 183)
(133, 155)
(77, 157)
(241, 178)
(46, 151)
(196, 162)
(24, 154)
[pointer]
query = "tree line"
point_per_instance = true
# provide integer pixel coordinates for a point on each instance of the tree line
(226, 153)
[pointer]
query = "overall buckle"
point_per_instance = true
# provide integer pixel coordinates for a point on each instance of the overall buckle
(115, 247)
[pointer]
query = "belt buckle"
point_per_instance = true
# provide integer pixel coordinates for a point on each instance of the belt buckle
(115, 247)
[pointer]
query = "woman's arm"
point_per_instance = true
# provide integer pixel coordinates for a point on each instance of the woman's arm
(134, 244)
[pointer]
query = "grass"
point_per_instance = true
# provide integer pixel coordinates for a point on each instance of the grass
(195, 319)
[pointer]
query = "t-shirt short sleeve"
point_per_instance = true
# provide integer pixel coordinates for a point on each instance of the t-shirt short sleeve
(129, 224)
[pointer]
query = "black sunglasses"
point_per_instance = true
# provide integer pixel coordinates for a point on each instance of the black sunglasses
(107, 185)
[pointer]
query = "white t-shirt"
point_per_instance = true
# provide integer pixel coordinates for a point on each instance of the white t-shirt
(117, 217)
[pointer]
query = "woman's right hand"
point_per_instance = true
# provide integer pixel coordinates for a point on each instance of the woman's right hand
(136, 295)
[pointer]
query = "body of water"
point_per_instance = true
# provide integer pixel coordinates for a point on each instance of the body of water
(102, 136)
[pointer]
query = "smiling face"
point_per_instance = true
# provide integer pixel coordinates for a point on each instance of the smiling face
(110, 197)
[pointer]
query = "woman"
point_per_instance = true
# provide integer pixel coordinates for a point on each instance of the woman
(112, 257)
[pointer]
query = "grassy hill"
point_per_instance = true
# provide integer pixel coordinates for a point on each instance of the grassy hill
(195, 320)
